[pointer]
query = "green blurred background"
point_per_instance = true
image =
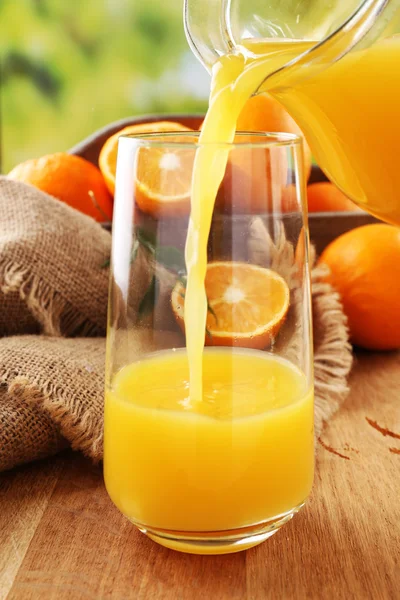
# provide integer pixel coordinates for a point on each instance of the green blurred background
(69, 67)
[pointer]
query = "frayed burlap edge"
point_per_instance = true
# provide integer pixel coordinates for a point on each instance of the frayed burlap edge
(82, 433)
(47, 306)
(333, 357)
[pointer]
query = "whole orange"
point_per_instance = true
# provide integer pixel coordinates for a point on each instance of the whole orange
(326, 197)
(365, 270)
(264, 113)
(71, 179)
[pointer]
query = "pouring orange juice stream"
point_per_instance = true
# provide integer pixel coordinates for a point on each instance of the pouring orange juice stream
(234, 80)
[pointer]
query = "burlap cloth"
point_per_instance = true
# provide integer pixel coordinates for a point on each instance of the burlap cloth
(53, 286)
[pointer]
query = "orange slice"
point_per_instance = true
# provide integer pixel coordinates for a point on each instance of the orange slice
(164, 177)
(108, 153)
(247, 304)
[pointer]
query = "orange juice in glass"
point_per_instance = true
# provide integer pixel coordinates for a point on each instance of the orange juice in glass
(209, 386)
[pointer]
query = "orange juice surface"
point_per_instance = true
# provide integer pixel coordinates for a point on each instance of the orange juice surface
(241, 456)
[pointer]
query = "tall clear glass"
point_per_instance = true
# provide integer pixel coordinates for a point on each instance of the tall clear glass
(221, 472)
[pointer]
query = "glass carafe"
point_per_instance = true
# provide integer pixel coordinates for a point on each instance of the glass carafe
(343, 90)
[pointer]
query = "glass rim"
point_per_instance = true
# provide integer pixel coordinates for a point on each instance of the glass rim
(262, 139)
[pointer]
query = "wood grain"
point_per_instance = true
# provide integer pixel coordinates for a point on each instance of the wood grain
(24, 495)
(344, 545)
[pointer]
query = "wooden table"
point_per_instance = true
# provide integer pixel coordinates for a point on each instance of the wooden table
(62, 539)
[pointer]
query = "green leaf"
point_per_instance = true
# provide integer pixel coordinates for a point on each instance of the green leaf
(135, 249)
(146, 238)
(149, 299)
(170, 257)
(212, 311)
(183, 280)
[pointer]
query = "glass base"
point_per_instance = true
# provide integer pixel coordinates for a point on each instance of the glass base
(219, 542)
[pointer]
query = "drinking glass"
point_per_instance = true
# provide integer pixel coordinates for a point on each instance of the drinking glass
(224, 471)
